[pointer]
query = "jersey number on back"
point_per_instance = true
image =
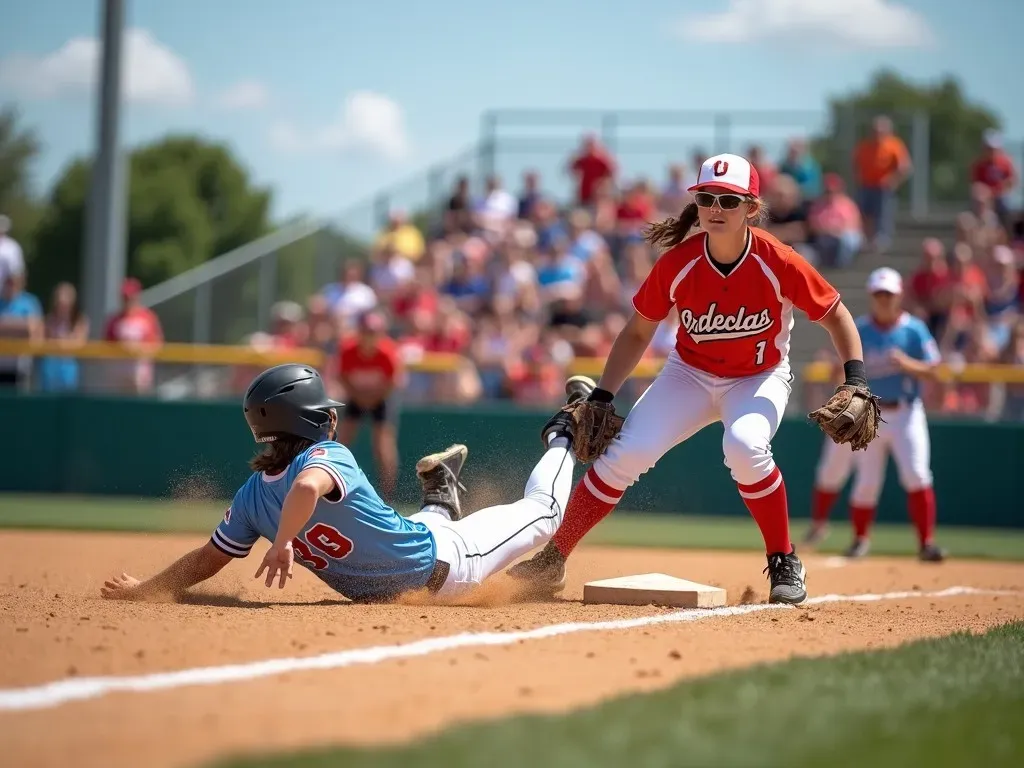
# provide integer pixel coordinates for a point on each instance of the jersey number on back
(330, 541)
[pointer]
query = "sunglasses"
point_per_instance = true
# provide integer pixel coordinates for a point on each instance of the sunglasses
(727, 202)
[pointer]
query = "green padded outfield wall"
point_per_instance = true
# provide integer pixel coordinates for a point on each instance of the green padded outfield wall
(140, 447)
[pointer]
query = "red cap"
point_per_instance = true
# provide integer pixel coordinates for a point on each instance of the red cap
(130, 288)
(730, 172)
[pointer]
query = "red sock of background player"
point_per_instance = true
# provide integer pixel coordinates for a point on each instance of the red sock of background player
(591, 501)
(861, 517)
(769, 507)
(921, 504)
(821, 505)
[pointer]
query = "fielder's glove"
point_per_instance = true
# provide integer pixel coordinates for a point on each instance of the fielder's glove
(595, 425)
(851, 416)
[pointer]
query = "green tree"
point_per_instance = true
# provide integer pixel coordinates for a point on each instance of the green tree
(955, 127)
(18, 150)
(188, 201)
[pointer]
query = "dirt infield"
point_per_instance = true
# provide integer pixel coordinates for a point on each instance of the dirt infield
(55, 627)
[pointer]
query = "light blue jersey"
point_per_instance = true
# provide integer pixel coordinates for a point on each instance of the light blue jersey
(358, 545)
(912, 337)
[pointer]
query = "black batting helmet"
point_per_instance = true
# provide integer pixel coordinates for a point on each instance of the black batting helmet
(288, 399)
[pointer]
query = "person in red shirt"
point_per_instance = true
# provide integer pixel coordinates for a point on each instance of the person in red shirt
(931, 286)
(369, 369)
(138, 328)
(735, 289)
(591, 166)
(996, 171)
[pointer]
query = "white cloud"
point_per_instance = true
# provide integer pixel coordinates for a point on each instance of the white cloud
(244, 95)
(367, 120)
(846, 23)
(152, 72)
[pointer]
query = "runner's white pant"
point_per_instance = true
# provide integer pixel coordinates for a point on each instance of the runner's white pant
(492, 538)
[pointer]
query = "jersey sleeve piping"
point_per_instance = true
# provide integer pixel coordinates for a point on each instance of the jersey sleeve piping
(229, 547)
(830, 308)
(331, 470)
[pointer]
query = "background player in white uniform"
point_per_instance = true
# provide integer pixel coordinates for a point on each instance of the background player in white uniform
(835, 465)
(308, 497)
(898, 351)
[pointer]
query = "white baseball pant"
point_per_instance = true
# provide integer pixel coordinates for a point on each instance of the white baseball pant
(491, 539)
(680, 402)
(905, 434)
(835, 465)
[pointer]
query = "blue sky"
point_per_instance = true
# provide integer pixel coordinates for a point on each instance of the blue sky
(329, 101)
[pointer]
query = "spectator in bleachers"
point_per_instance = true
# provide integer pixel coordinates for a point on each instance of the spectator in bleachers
(351, 296)
(606, 209)
(674, 195)
(787, 215)
(637, 209)
(1002, 291)
(637, 262)
(931, 286)
(882, 164)
(322, 328)
(66, 325)
(401, 236)
(389, 271)
(766, 169)
(805, 170)
(468, 287)
(496, 210)
(584, 241)
(288, 328)
(11, 257)
(592, 165)
(494, 350)
(138, 328)
(836, 225)
(983, 209)
(530, 196)
(21, 318)
(370, 371)
(514, 281)
(995, 169)
(458, 215)
(536, 378)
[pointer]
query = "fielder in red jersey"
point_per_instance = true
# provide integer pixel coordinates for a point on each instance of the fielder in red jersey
(735, 288)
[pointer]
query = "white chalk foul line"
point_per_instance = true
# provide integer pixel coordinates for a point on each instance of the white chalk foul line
(79, 689)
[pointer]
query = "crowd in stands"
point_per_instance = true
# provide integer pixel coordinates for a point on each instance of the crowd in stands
(514, 286)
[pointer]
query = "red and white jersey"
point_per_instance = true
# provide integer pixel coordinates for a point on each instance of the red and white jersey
(737, 324)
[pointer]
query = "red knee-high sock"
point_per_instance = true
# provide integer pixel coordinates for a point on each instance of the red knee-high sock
(591, 501)
(766, 500)
(821, 504)
(862, 518)
(921, 504)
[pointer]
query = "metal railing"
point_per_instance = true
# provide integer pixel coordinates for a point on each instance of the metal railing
(231, 296)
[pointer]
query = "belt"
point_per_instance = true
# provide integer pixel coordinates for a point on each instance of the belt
(438, 576)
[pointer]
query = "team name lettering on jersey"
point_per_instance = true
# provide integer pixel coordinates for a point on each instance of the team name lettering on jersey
(714, 326)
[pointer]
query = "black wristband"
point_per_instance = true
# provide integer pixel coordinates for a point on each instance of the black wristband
(601, 396)
(856, 374)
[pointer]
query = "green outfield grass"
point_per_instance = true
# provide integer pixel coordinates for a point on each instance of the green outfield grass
(622, 529)
(953, 701)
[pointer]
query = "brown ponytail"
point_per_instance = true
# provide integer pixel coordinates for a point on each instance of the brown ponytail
(673, 231)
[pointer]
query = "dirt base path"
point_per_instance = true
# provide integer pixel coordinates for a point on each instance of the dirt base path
(55, 627)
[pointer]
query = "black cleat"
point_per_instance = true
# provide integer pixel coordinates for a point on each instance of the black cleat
(858, 549)
(543, 574)
(576, 388)
(787, 576)
(439, 478)
(931, 553)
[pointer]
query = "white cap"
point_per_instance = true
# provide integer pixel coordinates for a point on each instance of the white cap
(731, 172)
(885, 279)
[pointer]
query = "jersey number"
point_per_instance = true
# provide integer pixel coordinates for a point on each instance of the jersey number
(330, 541)
(759, 355)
